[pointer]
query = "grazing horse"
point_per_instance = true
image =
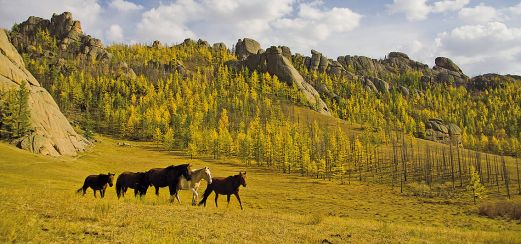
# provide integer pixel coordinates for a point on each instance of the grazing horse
(137, 181)
(169, 176)
(225, 186)
(193, 185)
(97, 183)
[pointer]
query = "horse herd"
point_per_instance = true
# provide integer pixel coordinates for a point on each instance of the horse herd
(175, 177)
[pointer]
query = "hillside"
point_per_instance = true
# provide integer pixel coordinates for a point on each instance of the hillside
(348, 150)
(395, 92)
(40, 204)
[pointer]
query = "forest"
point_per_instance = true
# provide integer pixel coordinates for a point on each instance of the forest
(212, 109)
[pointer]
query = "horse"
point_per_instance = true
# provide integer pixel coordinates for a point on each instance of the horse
(193, 185)
(137, 181)
(225, 186)
(169, 176)
(97, 183)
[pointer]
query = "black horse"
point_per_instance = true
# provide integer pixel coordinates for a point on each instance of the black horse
(169, 176)
(97, 183)
(137, 181)
(225, 186)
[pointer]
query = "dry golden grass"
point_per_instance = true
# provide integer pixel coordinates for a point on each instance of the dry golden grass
(39, 204)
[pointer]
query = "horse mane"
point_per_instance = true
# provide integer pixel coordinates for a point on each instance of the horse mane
(177, 166)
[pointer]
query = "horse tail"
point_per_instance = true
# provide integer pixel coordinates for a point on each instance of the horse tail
(82, 187)
(118, 188)
(206, 194)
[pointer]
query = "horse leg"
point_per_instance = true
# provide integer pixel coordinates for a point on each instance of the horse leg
(238, 198)
(195, 196)
(95, 194)
(216, 196)
(173, 192)
(102, 193)
(177, 197)
(85, 189)
(228, 200)
(157, 190)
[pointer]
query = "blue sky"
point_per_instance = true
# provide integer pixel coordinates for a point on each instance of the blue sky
(482, 36)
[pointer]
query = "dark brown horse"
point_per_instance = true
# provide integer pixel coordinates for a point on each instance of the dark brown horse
(169, 176)
(97, 183)
(225, 186)
(137, 181)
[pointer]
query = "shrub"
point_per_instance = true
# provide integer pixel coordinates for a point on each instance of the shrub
(505, 209)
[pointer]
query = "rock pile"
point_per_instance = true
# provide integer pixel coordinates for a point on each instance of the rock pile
(438, 131)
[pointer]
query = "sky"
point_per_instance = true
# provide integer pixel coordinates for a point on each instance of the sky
(481, 36)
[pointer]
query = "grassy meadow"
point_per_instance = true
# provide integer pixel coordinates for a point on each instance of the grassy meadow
(40, 204)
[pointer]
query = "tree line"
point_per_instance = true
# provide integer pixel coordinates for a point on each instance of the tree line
(218, 111)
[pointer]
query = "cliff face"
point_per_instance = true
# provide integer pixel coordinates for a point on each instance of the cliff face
(51, 132)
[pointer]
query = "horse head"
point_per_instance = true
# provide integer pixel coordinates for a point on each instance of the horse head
(242, 177)
(186, 172)
(207, 175)
(110, 178)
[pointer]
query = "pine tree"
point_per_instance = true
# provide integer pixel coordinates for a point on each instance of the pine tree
(16, 118)
(475, 187)
(168, 139)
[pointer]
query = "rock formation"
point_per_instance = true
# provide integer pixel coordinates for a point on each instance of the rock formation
(246, 47)
(487, 81)
(51, 132)
(68, 34)
(219, 46)
(438, 131)
(157, 44)
(373, 72)
(275, 62)
(447, 71)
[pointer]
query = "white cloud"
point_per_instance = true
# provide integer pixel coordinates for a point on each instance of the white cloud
(478, 14)
(124, 6)
(419, 9)
(413, 9)
(115, 33)
(312, 25)
(269, 21)
(515, 9)
(480, 47)
(168, 22)
(449, 5)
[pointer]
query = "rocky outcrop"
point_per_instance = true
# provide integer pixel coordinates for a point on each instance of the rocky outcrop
(67, 32)
(220, 46)
(246, 47)
(447, 71)
(275, 62)
(51, 132)
(157, 44)
(376, 74)
(438, 131)
(491, 81)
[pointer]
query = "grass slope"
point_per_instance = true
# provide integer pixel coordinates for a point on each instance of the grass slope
(39, 204)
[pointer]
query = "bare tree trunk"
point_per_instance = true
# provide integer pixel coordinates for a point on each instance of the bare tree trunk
(505, 173)
(459, 169)
(518, 180)
(451, 165)
(488, 168)
(497, 173)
